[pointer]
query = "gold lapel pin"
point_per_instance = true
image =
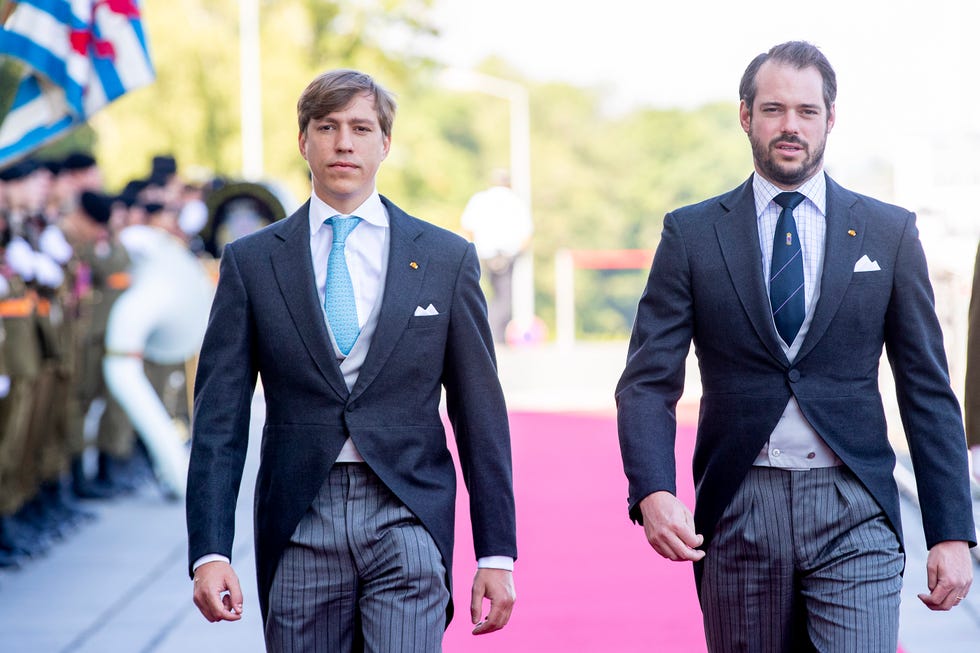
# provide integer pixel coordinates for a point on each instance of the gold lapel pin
(851, 232)
(413, 265)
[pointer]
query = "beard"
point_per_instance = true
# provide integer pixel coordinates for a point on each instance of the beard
(786, 174)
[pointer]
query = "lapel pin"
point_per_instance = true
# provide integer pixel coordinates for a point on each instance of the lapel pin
(851, 232)
(413, 265)
(789, 237)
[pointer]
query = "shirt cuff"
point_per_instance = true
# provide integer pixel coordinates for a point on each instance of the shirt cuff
(211, 557)
(496, 562)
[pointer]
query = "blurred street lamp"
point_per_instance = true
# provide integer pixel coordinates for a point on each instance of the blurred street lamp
(520, 169)
(250, 88)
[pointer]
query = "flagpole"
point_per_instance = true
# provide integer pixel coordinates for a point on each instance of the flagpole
(250, 89)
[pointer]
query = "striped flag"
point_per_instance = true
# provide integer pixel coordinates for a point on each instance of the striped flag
(79, 55)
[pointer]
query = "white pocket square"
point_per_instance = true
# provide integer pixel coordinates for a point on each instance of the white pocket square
(428, 310)
(864, 264)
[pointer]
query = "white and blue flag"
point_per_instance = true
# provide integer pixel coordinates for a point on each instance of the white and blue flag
(78, 56)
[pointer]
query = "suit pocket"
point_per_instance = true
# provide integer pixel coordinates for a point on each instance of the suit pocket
(426, 321)
(874, 278)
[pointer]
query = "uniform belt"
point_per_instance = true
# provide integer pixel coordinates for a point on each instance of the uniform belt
(44, 307)
(17, 307)
(118, 280)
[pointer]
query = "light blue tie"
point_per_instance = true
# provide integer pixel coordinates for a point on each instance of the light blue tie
(339, 291)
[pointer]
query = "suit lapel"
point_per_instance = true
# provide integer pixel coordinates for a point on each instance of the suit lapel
(840, 253)
(402, 285)
(738, 237)
(293, 268)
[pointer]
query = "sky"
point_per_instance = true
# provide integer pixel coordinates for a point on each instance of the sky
(908, 70)
(685, 53)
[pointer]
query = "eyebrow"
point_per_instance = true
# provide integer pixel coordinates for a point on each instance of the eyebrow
(328, 118)
(805, 105)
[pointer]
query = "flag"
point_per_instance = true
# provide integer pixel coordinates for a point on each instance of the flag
(78, 55)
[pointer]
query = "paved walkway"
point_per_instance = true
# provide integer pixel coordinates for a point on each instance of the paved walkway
(119, 584)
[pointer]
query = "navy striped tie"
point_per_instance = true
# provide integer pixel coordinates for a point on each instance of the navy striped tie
(786, 274)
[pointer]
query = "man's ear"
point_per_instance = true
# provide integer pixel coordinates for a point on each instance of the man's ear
(745, 116)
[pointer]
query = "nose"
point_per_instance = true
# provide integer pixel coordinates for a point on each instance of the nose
(344, 141)
(791, 123)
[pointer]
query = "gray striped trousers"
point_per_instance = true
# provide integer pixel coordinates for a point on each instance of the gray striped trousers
(802, 561)
(360, 573)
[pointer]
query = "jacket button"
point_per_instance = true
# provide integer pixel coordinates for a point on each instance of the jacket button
(350, 408)
(794, 375)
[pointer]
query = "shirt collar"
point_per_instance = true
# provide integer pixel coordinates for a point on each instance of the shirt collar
(814, 189)
(371, 211)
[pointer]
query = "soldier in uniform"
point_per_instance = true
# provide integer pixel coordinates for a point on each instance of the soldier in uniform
(19, 534)
(57, 443)
(105, 265)
(8, 554)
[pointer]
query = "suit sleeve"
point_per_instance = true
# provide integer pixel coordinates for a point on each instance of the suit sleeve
(653, 381)
(929, 409)
(222, 411)
(478, 414)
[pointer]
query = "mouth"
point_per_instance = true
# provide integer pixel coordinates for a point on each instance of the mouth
(343, 165)
(788, 148)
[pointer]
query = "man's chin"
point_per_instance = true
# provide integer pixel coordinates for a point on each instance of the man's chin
(787, 175)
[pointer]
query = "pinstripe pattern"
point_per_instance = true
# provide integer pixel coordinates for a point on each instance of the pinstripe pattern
(798, 556)
(360, 573)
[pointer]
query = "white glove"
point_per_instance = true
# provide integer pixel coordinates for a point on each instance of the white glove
(52, 242)
(4, 385)
(20, 258)
(48, 272)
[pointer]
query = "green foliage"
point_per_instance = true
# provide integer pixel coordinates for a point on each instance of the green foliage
(606, 182)
(599, 181)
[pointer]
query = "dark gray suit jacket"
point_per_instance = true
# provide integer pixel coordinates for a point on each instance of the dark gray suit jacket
(266, 321)
(706, 285)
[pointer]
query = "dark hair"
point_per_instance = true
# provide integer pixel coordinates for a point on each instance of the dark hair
(794, 53)
(334, 90)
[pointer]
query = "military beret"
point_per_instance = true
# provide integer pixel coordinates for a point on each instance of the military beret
(97, 206)
(78, 161)
(163, 165)
(18, 170)
(52, 166)
(130, 192)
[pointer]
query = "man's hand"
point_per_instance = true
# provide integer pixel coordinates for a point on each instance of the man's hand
(217, 593)
(497, 585)
(669, 527)
(950, 573)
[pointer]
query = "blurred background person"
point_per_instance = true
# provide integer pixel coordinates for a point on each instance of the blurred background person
(154, 328)
(499, 223)
(971, 395)
(105, 276)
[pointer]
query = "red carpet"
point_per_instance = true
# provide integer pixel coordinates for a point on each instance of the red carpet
(587, 581)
